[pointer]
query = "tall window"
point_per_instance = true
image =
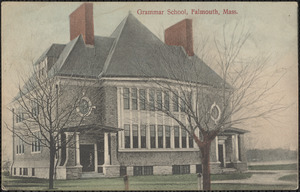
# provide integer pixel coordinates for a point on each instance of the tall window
(135, 136)
(126, 98)
(19, 117)
(127, 135)
(151, 100)
(33, 172)
(182, 103)
(20, 146)
(183, 138)
(166, 101)
(143, 136)
(159, 100)
(175, 102)
(176, 136)
(152, 136)
(134, 99)
(142, 97)
(167, 133)
(191, 142)
(36, 143)
(35, 109)
(25, 171)
(160, 136)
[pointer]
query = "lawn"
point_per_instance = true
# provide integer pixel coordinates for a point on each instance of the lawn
(274, 167)
(291, 177)
(168, 182)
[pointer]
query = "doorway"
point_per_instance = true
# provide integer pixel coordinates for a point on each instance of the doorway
(221, 155)
(87, 158)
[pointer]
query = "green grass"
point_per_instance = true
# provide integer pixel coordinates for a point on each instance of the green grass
(157, 182)
(225, 186)
(273, 167)
(232, 176)
(292, 177)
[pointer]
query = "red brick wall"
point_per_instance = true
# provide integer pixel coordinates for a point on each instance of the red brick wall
(181, 34)
(82, 22)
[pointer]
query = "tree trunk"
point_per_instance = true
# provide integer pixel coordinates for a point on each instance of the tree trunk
(51, 169)
(205, 151)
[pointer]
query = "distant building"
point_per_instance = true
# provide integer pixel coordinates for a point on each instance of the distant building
(136, 140)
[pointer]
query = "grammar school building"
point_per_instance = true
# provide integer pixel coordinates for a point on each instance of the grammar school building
(129, 137)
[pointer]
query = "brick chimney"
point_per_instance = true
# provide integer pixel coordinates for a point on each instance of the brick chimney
(181, 34)
(82, 22)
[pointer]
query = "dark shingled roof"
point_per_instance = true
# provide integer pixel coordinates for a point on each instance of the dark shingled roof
(132, 51)
(236, 130)
(53, 51)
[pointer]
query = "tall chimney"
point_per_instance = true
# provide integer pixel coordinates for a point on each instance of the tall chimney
(82, 22)
(181, 34)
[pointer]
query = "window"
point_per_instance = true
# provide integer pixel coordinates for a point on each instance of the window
(142, 170)
(135, 136)
(127, 135)
(20, 171)
(123, 170)
(33, 172)
(166, 101)
(175, 102)
(25, 171)
(35, 109)
(168, 139)
(182, 103)
(151, 100)
(183, 138)
(20, 146)
(36, 144)
(143, 136)
(148, 170)
(137, 170)
(15, 171)
(181, 169)
(142, 96)
(191, 142)
(126, 98)
(20, 117)
(159, 100)
(176, 136)
(134, 99)
(160, 136)
(198, 168)
(152, 136)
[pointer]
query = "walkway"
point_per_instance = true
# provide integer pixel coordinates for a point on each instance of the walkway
(263, 177)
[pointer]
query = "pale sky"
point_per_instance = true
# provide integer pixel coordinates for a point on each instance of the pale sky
(28, 29)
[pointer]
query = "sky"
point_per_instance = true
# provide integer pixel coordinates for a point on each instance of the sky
(29, 28)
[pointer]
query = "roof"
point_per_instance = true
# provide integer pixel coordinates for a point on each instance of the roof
(235, 130)
(53, 51)
(93, 127)
(132, 51)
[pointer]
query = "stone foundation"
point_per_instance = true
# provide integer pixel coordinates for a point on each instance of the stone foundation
(162, 170)
(74, 172)
(240, 166)
(215, 167)
(111, 170)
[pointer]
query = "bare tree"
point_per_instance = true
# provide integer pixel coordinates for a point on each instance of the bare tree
(46, 107)
(205, 105)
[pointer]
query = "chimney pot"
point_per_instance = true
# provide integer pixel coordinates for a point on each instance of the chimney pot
(82, 22)
(181, 34)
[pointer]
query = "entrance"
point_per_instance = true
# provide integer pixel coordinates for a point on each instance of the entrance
(221, 155)
(87, 158)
